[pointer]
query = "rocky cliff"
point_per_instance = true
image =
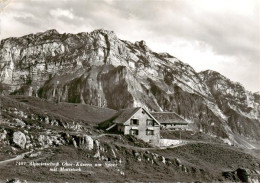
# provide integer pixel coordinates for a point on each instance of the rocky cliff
(240, 106)
(98, 68)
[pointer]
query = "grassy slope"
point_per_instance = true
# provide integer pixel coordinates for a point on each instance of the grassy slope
(188, 135)
(203, 161)
(78, 112)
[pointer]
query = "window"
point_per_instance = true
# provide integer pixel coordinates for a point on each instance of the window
(149, 132)
(134, 122)
(133, 132)
(150, 122)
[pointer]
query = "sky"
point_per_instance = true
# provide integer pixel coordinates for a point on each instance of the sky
(220, 35)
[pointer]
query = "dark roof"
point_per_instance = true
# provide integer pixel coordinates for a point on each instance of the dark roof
(169, 118)
(123, 115)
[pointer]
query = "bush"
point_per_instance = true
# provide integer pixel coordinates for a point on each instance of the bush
(242, 175)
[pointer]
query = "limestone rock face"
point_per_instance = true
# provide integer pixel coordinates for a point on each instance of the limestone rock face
(86, 142)
(3, 134)
(19, 139)
(83, 141)
(16, 181)
(98, 68)
(240, 106)
(49, 140)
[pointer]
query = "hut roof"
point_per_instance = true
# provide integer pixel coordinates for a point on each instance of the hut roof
(169, 118)
(123, 115)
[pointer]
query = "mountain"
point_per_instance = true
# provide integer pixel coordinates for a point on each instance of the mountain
(98, 68)
(240, 106)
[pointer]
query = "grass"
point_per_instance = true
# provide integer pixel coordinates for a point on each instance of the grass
(203, 162)
(213, 157)
(91, 115)
(188, 135)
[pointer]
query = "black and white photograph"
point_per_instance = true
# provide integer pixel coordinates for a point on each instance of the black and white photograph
(129, 91)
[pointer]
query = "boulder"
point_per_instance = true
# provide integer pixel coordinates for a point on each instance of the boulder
(87, 142)
(47, 121)
(97, 154)
(49, 140)
(163, 160)
(74, 143)
(44, 141)
(3, 135)
(19, 139)
(19, 122)
(16, 181)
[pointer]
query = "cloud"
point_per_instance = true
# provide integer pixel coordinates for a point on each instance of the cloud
(206, 34)
(62, 13)
(27, 20)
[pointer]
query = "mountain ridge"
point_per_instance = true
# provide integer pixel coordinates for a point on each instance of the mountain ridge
(98, 68)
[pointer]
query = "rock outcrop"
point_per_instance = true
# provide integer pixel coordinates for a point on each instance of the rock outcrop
(19, 139)
(98, 68)
(83, 141)
(241, 107)
(3, 134)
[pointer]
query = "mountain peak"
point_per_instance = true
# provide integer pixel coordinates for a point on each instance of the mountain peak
(50, 32)
(217, 75)
(257, 93)
(165, 54)
(142, 44)
(211, 73)
(106, 32)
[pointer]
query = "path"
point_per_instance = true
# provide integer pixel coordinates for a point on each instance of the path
(139, 148)
(18, 157)
(102, 135)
